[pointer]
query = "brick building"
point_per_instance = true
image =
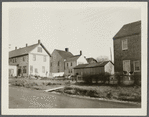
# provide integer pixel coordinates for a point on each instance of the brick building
(127, 49)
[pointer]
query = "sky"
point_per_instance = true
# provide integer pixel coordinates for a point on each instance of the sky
(86, 27)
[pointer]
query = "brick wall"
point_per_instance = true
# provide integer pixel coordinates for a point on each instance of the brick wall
(133, 52)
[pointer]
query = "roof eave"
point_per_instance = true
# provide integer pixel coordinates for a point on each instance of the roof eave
(19, 55)
(125, 36)
(45, 49)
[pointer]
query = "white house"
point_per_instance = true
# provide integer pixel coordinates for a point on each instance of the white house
(29, 60)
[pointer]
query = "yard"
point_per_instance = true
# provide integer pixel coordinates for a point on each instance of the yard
(112, 92)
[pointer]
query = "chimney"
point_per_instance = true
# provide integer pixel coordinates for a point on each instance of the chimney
(80, 52)
(26, 45)
(15, 48)
(66, 49)
(38, 41)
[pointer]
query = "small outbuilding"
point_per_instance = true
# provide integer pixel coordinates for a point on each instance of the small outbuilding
(94, 68)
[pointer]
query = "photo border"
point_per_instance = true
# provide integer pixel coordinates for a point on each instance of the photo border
(4, 75)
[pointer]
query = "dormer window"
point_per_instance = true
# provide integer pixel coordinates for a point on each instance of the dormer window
(124, 44)
(39, 49)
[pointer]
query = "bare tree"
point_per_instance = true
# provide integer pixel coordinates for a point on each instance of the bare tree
(102, 58)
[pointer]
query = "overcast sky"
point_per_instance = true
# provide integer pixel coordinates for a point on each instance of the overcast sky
(85, 27)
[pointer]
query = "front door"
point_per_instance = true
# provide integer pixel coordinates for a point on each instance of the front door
(19, 72)
(126, 66)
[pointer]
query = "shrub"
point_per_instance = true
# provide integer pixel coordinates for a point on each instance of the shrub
(98, 77)
(49, 83)
(70, 91)
(87, 79)
(92, 93)
(118, 76)
(137, 79)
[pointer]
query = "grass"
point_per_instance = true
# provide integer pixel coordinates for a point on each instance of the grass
(107, 92)
(35, 84)
(129, 93)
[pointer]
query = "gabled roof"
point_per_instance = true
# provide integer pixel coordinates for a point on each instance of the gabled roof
(45, 49)
(25, 50)
(73, 58)
(90, 59)
(99, 64)
(129, 29)
(81, 66)
(22, 51)
(64, 54)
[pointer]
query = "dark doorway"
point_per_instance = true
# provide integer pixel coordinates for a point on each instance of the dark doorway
(19, 72)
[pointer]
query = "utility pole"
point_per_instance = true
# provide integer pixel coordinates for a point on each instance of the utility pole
(110, 54)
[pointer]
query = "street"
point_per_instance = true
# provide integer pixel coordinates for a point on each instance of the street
(20, 97)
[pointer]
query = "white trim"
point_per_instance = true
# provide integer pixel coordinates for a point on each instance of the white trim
(134, 66)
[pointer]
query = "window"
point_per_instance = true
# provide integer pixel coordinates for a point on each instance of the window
(13, 60)
(136, 66)
(34, 57)
(58, 70)
(67, 64)
(39, 49)
(24, 69)
(51, 64)
(43, 69)
(58, 63)
(23, 58)
(124, 44)
(31, 69)
(44, 58)
(36, 70)
(71, 64)
(126, 66)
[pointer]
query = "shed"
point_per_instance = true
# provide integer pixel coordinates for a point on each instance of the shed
(94, 68)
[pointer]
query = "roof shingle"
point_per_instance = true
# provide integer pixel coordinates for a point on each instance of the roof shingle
(99, 64)
(129, 29)
(73, 58)
(22, 51)
(64, 54)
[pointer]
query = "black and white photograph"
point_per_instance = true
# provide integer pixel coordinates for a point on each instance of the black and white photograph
(74, 58)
